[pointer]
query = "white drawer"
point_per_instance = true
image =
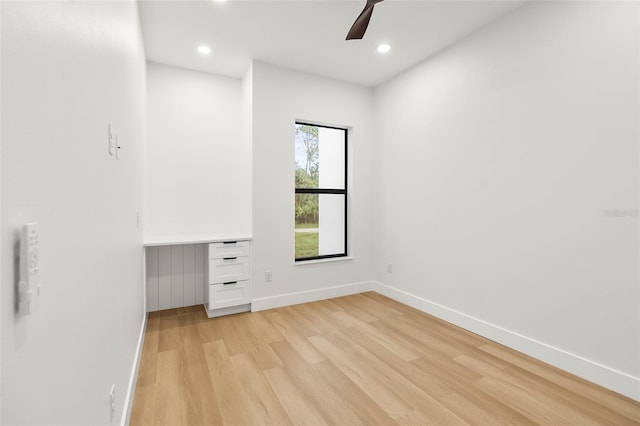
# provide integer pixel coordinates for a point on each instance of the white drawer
(229, 269)
(225, 295)
(228, 249)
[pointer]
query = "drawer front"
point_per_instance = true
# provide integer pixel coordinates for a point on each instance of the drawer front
(226, 295)
(229, 249)
(229, 269)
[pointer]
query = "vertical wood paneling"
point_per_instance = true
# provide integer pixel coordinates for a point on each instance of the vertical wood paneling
(164, 277)
(200, 269)
(152, 278)
(177, 276)
(189, 269)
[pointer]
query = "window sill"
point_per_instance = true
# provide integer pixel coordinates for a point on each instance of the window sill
(327, 260)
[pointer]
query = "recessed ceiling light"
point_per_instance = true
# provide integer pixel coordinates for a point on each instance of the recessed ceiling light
(384, 48)
(205, 50)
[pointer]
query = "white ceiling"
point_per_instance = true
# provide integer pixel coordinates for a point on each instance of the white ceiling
(309, 35)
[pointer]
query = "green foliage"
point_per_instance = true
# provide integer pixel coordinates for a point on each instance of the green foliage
(308, 136)
(303, 180)
(306, 244)
(307, 208)
(307, 174)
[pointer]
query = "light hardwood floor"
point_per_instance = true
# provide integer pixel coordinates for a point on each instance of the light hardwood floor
(355, 360)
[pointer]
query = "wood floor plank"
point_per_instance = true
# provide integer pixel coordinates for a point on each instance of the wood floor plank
(149, 359)
(265, 357)
(329, 305)
(383, 305)
(233, 402)
(540, 393)
(190, 345)
(431, 383)
(143, 409)
(315, 387)
(170, 408)
(372, 353)
(376, 308)
(360, 359)
(480, 409)
(209, 330)
(456, 373)
(418, 417)
(169, 337)
(265, 331)
(198, 393)
(266, 406)
(373, 386)
(619, 403)
(569, 402)
(366, 408)
(353, 309)
(420, 337)
(526, 403)
(235, 336)
(300, 410)
(287, 327)
(153, 322)
(302, 323)
(322, 323)
(427, 323)
(391, 341)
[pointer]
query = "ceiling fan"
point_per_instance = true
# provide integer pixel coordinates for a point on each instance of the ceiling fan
(359, 27)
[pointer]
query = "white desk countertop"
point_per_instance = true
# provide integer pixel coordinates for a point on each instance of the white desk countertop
(174, 240)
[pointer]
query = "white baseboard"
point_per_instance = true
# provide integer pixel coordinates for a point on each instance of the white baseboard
(214, 313)
(131, 389)
(602, 375)
(310, 296)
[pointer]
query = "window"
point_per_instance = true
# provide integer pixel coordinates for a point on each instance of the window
(321, 192)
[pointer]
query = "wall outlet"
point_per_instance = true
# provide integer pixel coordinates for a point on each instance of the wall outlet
(267, 277)
(112, 402)
(390, 268)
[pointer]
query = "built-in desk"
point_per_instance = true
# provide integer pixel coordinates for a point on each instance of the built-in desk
(186, 270)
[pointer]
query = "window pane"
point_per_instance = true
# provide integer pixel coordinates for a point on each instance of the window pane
(306, 231)
(319, 157)
(331, 154)
(307, 156)
(331, 224)
(319, 225)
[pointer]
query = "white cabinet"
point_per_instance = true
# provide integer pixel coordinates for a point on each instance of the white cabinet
(229, 278)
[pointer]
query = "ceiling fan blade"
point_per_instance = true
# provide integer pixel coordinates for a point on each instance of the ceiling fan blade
(359, 27)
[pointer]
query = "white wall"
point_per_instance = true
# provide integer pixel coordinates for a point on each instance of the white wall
(246, 93)
(69, 69)
(279, 98)
(509, 184)
(198, 160)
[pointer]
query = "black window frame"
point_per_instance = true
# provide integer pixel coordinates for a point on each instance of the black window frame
(330, 191)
